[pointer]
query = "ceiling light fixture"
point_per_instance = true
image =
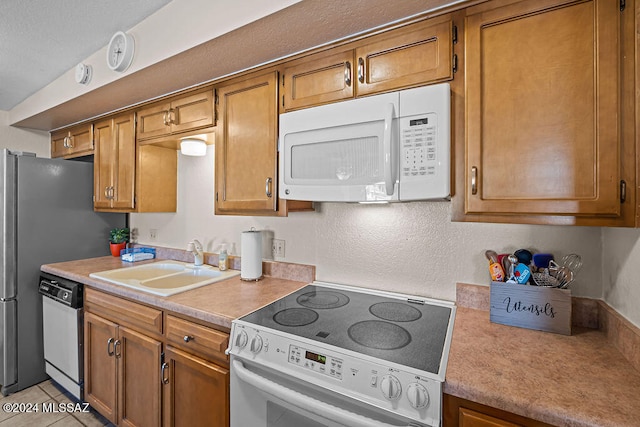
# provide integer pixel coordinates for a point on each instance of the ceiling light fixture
(193, 147)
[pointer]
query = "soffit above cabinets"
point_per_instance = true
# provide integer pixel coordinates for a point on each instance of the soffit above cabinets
(300, 27)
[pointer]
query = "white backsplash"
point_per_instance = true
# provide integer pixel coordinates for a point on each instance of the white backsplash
(407, 247)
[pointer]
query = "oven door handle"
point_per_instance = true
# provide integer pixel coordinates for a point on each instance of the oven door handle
(304, 402)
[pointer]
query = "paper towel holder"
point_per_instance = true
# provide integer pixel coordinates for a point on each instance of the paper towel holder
(251, 273)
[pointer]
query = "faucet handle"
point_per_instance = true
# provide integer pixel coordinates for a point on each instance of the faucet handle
(190, 246)
(197, 244)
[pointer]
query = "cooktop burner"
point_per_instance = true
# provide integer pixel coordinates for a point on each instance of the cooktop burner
(323, 299)
(404, 331)
(379, 334)
(395, 311)
(295, 317)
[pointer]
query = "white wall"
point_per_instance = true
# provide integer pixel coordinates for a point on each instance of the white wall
(621, 271)
(408, 247)
(23, 139)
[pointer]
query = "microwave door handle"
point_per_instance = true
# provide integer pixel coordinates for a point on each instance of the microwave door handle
(389, 178)
(304, 402)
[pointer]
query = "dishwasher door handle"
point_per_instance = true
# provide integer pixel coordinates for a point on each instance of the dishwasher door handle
(304, 402)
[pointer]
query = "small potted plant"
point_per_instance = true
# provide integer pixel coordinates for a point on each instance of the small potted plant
(118, 238)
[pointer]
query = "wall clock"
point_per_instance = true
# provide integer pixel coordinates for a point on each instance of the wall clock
(120, 51)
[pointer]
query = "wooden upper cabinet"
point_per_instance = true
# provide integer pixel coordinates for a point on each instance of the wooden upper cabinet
(319, 79)
(414, 55)
(543, 109)
(130, 178)
(177, 115)
(246, 146)
(114, 163)
(73, 142)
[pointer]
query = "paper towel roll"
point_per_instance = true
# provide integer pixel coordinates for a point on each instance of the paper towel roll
(251, 255)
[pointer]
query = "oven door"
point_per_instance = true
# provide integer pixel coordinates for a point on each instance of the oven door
(261, 397)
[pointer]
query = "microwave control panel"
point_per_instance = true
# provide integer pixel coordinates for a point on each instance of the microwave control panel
(418, 146)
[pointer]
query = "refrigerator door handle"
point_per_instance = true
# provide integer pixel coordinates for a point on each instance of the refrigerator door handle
(8, 196)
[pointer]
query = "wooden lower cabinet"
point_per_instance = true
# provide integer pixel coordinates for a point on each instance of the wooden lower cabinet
(146, 368)
(459, 412)
(122, 373)
(196, 392)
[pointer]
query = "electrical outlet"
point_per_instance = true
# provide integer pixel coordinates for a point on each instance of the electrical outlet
(277, 248)
(153, 234)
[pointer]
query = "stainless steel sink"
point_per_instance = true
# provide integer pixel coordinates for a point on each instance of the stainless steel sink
(164, 277)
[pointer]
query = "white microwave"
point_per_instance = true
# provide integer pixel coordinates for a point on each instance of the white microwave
(390, 147)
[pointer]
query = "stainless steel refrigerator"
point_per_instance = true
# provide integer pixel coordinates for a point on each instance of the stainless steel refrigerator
(46, 214)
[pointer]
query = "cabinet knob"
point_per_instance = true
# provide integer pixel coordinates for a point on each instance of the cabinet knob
(188, 338)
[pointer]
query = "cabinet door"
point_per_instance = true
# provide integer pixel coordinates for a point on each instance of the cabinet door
(103, 164)
(196, 391)
(542, 109)
(246, 146)
(124, 172)
(410, 56)
(80, 140)
(192, 112)
(59, 143)
(319, 79)
(153, 121)
(100, 365)
(469, 418)
(114, 163)
(139, 379)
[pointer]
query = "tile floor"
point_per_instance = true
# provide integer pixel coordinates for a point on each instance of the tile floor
(50, 393)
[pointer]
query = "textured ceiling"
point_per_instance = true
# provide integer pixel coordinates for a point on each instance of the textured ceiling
(297, 28)
(42, 39)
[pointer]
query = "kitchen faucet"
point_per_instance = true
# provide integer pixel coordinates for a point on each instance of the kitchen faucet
(198, 255)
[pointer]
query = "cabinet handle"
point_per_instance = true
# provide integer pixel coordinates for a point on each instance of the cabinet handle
(267, 187)
(109, 347)
(71, 142)
(172, 116)
(188, 338)
(64, 142)
(116, 345)
(106, 193)
(361, 70)
(474, 180)
(164, 118)
(112, 193)
(165, 367)
(347, 73)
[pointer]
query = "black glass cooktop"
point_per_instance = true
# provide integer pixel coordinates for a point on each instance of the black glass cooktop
(405, 332)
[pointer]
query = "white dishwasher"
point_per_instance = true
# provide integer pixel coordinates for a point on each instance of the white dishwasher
(62, 318)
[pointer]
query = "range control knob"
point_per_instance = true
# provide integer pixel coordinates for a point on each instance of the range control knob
(418, 395)
(390, 387)
(256, 344)
(241, 339)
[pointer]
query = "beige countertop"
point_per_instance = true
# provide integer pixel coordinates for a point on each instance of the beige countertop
(576, 380)
(218, 303)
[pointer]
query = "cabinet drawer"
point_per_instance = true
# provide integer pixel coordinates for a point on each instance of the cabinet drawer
(125, 312)
(196, 338)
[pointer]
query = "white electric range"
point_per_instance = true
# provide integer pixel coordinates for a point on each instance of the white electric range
(332, 355)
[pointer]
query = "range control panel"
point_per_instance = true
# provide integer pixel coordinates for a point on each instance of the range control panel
(316, 362)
